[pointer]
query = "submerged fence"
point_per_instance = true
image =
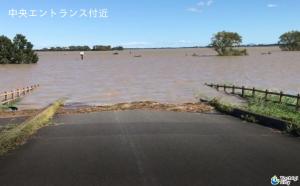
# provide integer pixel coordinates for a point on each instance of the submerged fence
(267, 95)
(10, 96)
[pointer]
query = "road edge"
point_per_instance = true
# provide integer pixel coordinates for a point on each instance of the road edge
(267, 121)
(18, 135)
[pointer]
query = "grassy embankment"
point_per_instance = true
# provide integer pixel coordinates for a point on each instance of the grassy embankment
(10, 104)
(271, 108)
(18, 134)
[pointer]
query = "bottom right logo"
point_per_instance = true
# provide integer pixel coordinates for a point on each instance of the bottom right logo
(284, 180)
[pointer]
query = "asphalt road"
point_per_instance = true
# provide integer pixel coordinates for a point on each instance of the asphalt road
(142, 148)
(11, 121)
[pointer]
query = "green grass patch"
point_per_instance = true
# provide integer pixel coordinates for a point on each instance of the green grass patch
(10, 104)
(278, 110)
(259, 105)
(221, 106)
(17, 135)
(273, 98)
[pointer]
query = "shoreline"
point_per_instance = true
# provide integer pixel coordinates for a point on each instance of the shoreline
(143, 105)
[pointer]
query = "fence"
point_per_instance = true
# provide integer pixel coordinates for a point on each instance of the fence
(7, 97)
(242, 92)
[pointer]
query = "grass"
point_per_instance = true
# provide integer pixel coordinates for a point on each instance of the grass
(10, 104)
(18, 135)
(224, 107)
(272, 98)
(271, 107)
(278, 110)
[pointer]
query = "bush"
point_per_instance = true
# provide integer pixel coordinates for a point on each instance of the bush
(224, 43)
(17, 52)
(290, 41)
(6, 50)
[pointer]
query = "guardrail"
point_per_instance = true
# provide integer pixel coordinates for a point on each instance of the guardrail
(10, 96)
(253, 91)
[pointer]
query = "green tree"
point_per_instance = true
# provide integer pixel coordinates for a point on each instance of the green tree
(6, 50)
(23, 53)
(224, 43)
(290, 41)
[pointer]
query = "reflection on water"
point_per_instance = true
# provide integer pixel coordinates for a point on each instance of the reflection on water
(160, 75)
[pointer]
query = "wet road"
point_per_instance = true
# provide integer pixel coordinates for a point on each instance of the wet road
(151, 148)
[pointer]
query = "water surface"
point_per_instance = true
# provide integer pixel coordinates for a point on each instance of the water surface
(165, 75)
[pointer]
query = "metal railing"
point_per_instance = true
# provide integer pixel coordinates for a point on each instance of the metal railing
(244, 92)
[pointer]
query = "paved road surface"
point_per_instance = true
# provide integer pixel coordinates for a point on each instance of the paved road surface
(142, 148)
(11, 121)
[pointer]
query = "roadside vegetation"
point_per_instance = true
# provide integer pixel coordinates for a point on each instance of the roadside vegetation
(17, 51)
(226, 43)
(16, 135)
(290, 41)
(8, 105)
(284, 110)
(271, 107)
(277, 110)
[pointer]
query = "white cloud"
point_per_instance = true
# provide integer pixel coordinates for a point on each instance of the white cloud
(272, 5)
(194, 9)
(201, 3)
(209, 2)
(200, 6)
(185, 41)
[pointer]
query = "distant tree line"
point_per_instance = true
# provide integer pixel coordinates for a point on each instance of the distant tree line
(20, 50)
(84, 48)
(16, 51)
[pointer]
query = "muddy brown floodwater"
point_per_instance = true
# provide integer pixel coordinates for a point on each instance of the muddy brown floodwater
(164, 75)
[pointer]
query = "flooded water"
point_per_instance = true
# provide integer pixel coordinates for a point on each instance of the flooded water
(165, 75)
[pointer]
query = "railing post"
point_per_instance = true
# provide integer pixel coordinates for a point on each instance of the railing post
(5, 96)
(280, 97)
(224, 88)
(18, 92)
(217, 87)
(253, 92)
(233, 89)
(298, 102)
(12, 94)
(266, 95)
(243, 91)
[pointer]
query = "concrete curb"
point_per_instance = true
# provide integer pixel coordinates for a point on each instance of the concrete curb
(260, 119)
(267, 121)
(18, 135)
